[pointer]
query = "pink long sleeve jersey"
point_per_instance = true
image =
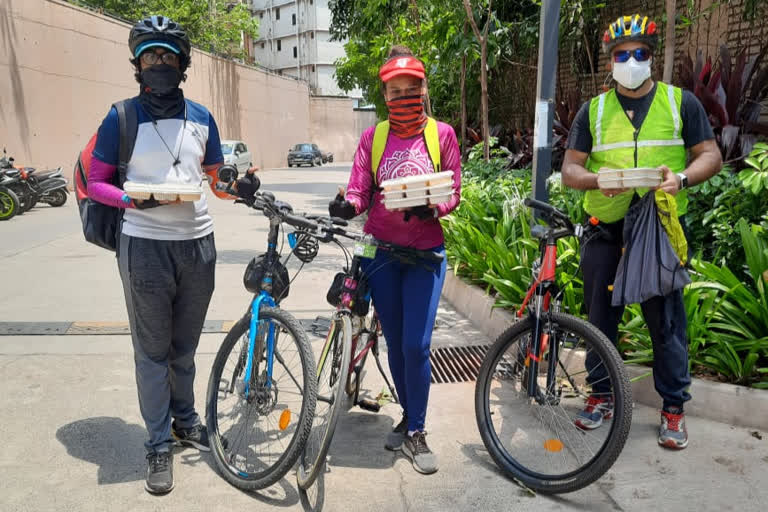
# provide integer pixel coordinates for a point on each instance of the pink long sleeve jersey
(403, 157)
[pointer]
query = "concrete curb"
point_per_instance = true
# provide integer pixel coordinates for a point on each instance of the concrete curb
(727, 403)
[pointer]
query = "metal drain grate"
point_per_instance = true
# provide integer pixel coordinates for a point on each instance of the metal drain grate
(456, 364)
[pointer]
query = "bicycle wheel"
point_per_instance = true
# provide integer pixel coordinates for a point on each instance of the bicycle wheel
(535, 439)
(256, 439)
(332, 372)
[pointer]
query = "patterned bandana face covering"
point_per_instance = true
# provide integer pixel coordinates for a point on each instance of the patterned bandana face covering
(406, 116)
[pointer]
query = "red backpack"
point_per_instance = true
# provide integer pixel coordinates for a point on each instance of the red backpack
(101, 222)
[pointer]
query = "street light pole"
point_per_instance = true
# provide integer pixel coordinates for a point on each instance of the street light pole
(549, 30)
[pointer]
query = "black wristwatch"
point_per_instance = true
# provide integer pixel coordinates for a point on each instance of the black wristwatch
(683, 180)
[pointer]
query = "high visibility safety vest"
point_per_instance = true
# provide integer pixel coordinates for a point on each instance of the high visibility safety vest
(431, 139)
(617, 145)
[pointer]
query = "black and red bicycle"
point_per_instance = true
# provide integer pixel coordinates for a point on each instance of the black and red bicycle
(354, 333)
(534, 382)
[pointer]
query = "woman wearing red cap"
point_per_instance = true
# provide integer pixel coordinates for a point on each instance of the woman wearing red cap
(405, 296)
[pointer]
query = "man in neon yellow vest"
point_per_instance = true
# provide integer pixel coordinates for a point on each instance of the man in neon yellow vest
(641, 123)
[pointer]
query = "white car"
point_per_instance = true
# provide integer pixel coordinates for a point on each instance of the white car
(236, 153)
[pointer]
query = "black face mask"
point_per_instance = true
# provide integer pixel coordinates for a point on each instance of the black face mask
(160, 93)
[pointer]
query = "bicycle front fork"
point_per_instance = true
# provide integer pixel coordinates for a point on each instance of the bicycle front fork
(256, 347)
(542, 347)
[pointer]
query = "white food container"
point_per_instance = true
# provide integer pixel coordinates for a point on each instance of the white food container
(137, 190)
(641, 177)
(431, 188)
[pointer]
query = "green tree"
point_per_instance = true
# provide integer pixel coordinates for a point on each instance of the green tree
(437, 31)
(213, 25)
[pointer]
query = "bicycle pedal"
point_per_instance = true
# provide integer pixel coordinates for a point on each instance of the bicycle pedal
(369, 405)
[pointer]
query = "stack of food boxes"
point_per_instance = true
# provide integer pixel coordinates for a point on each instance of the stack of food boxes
(424, 189)
(640, 177)
(164, 191)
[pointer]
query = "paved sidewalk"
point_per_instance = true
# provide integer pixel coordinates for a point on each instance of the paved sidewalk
(73, 434)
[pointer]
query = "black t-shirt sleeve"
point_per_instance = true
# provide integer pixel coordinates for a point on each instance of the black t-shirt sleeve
(696, 127)
(580, 136)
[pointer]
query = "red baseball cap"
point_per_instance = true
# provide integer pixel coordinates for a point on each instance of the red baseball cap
(404, 65)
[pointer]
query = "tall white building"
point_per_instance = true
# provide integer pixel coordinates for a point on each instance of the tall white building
(294, 39)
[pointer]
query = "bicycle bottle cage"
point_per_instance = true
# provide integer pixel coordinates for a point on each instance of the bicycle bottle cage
(254, 276)
(362, 295)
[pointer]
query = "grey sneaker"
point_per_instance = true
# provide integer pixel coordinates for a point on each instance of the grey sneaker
(415, 447)
(672, 431)
(159, 473)
(196, 436)
(397, 436)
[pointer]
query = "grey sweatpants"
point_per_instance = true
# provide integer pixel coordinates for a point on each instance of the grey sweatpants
(168, 286)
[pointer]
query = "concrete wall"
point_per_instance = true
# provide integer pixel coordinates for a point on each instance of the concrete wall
(338, 112)
(61, 67)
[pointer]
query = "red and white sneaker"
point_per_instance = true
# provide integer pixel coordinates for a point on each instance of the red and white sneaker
(596, 410)
(672, 432)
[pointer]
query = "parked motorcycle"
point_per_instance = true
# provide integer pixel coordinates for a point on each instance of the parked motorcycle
(30, 186)
(9, 201)
(50, 185)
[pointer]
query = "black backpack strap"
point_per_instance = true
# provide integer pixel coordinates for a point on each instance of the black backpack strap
(129, 124)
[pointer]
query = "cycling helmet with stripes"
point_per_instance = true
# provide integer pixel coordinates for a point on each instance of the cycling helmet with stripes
(631, 28)
(161, 31)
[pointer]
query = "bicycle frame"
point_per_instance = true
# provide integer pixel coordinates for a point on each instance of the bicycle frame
(542, 289)
(345, 308)
(263, 298)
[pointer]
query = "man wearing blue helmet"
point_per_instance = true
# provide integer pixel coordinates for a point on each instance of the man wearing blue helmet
(166, 251)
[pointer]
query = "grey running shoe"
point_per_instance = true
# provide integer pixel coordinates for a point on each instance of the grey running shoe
(415, 447)
(159, 473)
(196, 436)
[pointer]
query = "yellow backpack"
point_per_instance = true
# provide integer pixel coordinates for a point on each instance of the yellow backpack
(431, 138)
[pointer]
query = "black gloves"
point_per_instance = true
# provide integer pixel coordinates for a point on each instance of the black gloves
(422, 212)
(147, 203)
(341, 208)
(247, 186)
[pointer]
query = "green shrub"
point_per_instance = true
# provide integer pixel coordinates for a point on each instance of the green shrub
(488, 243)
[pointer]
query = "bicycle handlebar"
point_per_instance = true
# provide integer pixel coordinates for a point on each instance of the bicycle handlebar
(299, 222)
(266, 202)
(549, 209)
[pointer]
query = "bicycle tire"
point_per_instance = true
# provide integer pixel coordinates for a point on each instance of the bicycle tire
(289, 457)
(9, 204)
(620, 427)
(304, 478)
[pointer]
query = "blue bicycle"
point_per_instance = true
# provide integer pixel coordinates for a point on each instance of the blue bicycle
(262, 389)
